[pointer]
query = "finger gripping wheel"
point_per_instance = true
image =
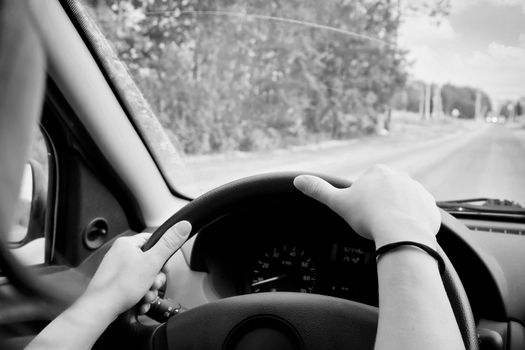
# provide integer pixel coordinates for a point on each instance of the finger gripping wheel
(295, 321)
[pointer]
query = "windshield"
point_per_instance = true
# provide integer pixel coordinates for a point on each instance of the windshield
(436, 89)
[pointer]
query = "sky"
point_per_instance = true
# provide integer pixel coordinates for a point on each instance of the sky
(481, 44)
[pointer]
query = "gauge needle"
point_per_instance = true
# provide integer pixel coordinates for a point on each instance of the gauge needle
(268, 280)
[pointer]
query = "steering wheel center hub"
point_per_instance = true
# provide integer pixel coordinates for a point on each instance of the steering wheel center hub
(263, 332)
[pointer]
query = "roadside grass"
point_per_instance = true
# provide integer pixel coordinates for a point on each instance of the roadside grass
(410, 126)
(404, 127)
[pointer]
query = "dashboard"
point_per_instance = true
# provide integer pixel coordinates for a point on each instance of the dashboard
(253, 252)
(294, 245)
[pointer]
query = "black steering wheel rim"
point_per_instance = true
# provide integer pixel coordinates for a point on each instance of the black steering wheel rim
(227, 198)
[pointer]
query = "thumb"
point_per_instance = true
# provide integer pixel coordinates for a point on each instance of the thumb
(316, 188)
(170, 241)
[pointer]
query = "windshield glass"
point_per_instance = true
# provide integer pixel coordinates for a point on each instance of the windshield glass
(435, 88)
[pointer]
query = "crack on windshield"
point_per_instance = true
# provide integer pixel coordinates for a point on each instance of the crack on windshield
(247, 16)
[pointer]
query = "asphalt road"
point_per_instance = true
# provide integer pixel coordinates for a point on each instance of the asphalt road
(489, 164)
(481, 160)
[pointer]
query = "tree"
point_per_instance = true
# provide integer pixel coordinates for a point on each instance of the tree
(464, 100)
(221, 76)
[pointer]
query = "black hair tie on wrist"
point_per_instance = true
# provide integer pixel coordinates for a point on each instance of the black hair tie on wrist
(433, 253)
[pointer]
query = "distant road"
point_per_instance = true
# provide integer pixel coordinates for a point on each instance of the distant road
(482, 160)
(491, 164)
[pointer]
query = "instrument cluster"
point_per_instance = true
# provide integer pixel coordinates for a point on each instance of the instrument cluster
(344, 269)
(246, 254)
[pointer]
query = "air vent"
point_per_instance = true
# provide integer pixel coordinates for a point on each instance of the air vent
(95, 233)
(509, 231)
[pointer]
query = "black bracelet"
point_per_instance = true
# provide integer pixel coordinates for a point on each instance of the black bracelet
(388, 247)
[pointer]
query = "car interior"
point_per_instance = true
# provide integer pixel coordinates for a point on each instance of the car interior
(101, 181)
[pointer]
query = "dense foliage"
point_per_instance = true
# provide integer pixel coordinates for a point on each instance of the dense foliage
(222, 75)
(464, 100)
(452, 97)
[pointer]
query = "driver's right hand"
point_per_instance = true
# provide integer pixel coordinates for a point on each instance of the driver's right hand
(384, 205)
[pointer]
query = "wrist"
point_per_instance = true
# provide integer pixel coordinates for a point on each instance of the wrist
(99, 308)
(403, 230)
(407, 267)
(389, 248)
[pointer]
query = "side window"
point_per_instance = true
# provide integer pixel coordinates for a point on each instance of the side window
(27, 234)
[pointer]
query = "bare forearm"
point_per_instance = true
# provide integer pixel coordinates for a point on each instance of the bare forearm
(76, 328)
(125, 275)
(414, 310)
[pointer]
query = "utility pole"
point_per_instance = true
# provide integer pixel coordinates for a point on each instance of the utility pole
(428, 99)
(422, 101)
(437, 102)
(478, 106)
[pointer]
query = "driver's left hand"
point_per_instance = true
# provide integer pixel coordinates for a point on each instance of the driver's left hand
(127, 274)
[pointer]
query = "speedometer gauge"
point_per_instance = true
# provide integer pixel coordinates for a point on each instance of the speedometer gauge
(284, 268)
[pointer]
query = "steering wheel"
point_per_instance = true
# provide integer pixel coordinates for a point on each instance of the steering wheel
(287, 321)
